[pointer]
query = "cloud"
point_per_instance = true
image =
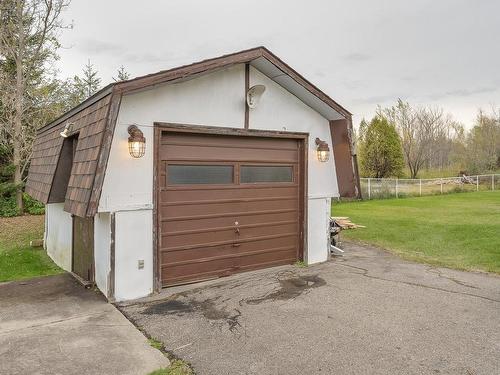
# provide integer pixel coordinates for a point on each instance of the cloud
(354, 84)
(409, 78)
(147, 57)
(356, 57)
(98, 47)
(463, 92)
(377, 99)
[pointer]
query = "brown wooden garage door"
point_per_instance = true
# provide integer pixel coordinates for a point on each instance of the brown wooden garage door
(226, 204)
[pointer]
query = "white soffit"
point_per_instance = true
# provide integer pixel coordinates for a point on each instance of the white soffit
(289, 84)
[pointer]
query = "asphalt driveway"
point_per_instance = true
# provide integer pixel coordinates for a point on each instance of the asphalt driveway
(367, 313)
(52, 325)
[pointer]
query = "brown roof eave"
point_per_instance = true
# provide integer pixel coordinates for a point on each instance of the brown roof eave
(304, 82)
(197, 68)
(223, 61)
(189, 70)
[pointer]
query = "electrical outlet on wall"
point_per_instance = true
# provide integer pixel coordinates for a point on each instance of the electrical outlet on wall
(140, 264)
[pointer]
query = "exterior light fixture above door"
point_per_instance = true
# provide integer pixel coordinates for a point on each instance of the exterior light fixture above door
(322, 150)
(136, 142)
(67, 130)
(254, 94)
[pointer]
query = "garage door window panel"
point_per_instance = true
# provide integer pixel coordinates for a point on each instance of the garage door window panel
(199, 174)
(266, 174)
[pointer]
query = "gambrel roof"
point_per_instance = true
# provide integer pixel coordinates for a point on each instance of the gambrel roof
(95, 120)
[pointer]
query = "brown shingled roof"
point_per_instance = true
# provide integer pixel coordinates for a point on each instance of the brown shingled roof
(43, 165)
(89, 123)
(95, 119)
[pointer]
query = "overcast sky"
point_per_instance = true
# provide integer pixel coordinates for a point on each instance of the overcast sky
(362, 53)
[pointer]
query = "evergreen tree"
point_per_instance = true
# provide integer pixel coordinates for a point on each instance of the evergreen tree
(123, 75)
(89, 83)
(380, 150)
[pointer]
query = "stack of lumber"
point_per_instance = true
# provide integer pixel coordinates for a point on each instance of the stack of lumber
(345, 223)
(452, 181)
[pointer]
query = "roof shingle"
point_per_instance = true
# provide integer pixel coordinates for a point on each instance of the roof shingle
(90, 124)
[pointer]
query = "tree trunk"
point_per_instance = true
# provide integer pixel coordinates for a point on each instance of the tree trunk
(18, 112)
(18, 178)
(16, 144)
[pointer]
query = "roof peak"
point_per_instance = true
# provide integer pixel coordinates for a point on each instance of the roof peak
(206, 65)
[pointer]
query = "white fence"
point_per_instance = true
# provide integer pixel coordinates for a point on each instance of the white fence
(377, 188)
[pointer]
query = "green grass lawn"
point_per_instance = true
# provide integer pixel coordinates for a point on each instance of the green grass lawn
(17, 259)
(459, 231)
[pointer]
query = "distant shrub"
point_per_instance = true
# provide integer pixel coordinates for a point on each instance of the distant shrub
(32, 206)
(8, 206)
(380, 153)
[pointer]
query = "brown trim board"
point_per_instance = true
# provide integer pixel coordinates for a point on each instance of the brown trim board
(112, 248)
(354, 160)
(194, 128)
(345, 164)
(156, 192)
(247, 87)
(104, 154)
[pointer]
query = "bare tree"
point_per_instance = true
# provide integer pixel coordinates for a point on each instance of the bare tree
(404, 118)
(28, 41)
(419, 130)
(434, 127)
(483, 142)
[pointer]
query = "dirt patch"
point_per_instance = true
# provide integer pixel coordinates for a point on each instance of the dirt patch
(290, 288)
(20, 230)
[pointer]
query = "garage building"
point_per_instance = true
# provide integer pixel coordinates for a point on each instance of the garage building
(193, 173)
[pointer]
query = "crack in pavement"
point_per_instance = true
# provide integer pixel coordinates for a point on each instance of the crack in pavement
(209, 308)
(233, 321)
(58, 321)
(365, 274)
(288, 288)
(439, 273)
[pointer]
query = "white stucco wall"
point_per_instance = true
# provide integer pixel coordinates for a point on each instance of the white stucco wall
(58, 234)
(133, 243)
(102, 241)
(216, 99)
(318, 220)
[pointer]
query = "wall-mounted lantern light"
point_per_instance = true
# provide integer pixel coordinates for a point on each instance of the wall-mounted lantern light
(136, 142)
(67, 130)
(322, 150)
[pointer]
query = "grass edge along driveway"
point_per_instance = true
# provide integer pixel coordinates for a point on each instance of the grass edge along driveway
(17, 259)
(460, 231)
